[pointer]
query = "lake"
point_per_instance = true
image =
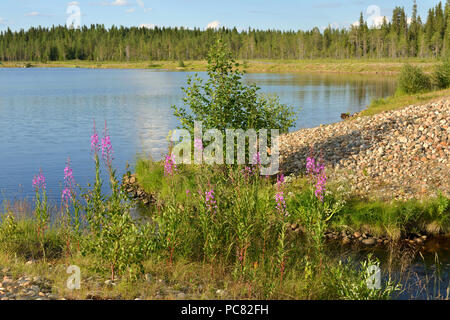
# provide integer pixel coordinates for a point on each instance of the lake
(46, 115)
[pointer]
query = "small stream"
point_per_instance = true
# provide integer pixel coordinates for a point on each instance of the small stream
(424, 273)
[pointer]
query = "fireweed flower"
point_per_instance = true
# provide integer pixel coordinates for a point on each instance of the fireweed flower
(69, 183)
(68, 174)
(107, 150)
(279, 196)
(39, 181)
(310, 165)
(280, 181)
(320, 186)
(247, 172)
(198, 144)
(316, 170)
(95, 146)
(257, 159)
(210, 202)
(252, 170)
(169, 165)
(281, 203)
(66, 196)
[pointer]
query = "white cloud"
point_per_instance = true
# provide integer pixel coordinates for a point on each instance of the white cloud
(375, 19)
(33, 14)
(142, 5)
(73, 3)
(131, 10)
(120, 3)
(147, 25)
(334, 25)
(213, 25)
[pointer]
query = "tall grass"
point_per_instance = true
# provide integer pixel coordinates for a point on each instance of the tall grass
(246, 228)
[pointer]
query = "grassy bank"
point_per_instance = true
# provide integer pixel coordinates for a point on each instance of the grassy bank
(393, 220)
(400, 101)
(415, 87)
(357, 66)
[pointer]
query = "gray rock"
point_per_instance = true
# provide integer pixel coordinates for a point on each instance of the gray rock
(346, 240)
(368, 241)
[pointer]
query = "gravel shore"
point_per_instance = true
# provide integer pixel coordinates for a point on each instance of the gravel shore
(399, 154)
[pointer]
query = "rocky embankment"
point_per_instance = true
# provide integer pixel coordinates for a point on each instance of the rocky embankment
(397, 154)
(136, 192)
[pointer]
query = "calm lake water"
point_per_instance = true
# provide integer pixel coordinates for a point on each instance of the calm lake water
(46, 115)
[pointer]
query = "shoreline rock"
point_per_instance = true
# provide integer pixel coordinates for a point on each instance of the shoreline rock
(345, 237)
(134, 191)
(400, 154)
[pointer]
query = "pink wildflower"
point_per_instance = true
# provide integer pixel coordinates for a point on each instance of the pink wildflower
(247, 172)
(257, 159)
(169, 165)
(69, 183)
(39, 181)
(95, 146)
(107, 150)
(316, 170)
(198, 144)
(211, 203)
(279, 196)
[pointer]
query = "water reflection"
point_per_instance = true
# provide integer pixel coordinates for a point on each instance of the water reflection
(423, 273)
(317, 96)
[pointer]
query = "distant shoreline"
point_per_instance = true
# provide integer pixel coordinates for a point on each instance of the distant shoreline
(352, 66)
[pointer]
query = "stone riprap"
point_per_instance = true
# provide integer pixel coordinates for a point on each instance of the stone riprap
(398, 154)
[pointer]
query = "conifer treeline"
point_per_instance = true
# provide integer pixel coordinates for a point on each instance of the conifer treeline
(394, 39)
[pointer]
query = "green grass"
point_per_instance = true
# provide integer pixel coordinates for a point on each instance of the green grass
(391, 219)
(396, 218)
(401, 101)
(19, 234)
(152, 180)
(357, 66)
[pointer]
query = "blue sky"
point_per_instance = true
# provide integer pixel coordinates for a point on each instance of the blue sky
(260, 14)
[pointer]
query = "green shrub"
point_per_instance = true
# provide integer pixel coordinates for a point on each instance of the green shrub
(181, 64)
(413, 80)
(441, 75)
(225, 102)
